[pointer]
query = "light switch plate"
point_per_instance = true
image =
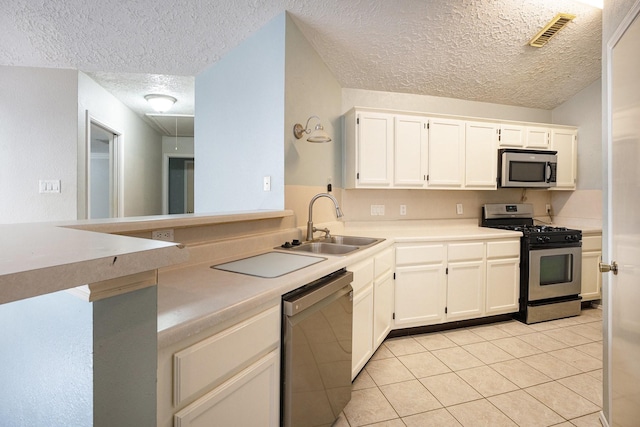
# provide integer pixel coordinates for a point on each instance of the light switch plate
(459, 210)
(49, 185)
(266, 183)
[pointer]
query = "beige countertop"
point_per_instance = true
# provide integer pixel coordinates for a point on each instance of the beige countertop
(36, 259)
(197, 297)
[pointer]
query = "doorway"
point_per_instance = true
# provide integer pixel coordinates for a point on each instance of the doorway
(102, 174)
(180, 184)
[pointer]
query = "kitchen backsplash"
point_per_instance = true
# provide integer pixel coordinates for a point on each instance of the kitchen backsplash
(358, 205)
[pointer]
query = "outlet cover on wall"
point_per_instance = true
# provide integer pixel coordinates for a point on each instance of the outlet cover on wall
(166, 235)
(377, 210)
(459, 210)
(403, 210)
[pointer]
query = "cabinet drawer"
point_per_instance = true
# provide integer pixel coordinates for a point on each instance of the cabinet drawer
(362, 274)
(465, 251)
(423, 254)
(383, 262)
(510, 249)
(211, 361)
(591, 243)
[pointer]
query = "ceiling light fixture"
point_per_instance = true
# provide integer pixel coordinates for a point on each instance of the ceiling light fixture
(160, 103)
(317, 135)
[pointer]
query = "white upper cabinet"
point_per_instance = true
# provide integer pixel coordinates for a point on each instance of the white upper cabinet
(565, 142)
(537, 138)
(410, 153)
(446, 153)
(481, 155)
(511, 136)
(407, 150)
(369, 153)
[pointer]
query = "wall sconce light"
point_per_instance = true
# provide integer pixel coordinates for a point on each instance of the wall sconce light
(160, 103)
(317, 135)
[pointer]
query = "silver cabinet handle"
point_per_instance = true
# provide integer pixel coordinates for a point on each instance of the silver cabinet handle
(605, 268)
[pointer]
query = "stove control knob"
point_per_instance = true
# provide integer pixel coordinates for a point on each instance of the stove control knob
(547, 238)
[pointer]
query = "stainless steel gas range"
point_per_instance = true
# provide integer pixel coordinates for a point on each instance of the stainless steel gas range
(550, 262)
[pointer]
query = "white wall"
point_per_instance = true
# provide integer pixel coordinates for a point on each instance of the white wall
(141, 159)
(239, 125)
(439, 105)
(38, 139)
(185, 145)
(310, 90)
(584, 110)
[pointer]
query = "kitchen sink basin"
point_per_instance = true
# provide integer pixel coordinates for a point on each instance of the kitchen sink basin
(325, 248)
(333, 245)
(350, 240)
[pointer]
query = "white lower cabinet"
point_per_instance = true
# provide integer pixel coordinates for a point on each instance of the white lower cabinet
(247, 399)
(372, 306)
(503, 271)
(383, 296)
(208, 379)
(420, 284)
(440, 282)
(591, 276)
(362, 337)
(465, 280)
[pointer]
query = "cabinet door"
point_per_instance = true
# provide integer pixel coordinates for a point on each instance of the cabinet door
(511, 136)
(410, 152)
(375, 150)
(537, 137)
(503, 286)
(565, 143)
(481, 155)
(465, 290)
(362, 338)
(446, 153)
(226, 405)
(383, 308)
(591, 276)
(419, 295)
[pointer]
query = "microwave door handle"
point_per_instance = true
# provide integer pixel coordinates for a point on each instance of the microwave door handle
(549, 169)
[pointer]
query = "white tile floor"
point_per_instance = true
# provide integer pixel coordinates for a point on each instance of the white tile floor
(502, 374)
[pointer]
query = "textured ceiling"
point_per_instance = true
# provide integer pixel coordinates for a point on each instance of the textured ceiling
(469, 49)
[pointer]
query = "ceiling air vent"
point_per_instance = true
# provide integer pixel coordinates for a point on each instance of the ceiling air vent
(551, 29)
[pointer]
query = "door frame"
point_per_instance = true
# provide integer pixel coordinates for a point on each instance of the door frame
(116, 156)
(607, 235)
(165, 177)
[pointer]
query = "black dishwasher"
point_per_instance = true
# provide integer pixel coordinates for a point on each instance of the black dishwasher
(317, 323)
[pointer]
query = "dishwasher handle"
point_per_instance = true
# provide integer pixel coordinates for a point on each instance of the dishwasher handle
(319, 290)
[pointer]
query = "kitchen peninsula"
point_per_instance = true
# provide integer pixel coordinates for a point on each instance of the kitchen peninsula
(215, 334)
(79, 322)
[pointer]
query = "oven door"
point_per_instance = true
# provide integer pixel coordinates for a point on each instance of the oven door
(554, 272)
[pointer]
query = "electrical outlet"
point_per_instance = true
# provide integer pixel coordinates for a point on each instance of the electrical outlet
(548, 207)
(403, 210)
(459, 210)
(166, 235)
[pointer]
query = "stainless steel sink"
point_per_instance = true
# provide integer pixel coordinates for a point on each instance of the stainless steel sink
(325, 248)
(350, 240)
(333, 245)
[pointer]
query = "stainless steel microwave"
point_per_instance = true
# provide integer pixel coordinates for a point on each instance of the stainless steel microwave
(527, 168)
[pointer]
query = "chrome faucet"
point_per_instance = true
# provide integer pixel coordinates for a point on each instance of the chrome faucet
(310, 228)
